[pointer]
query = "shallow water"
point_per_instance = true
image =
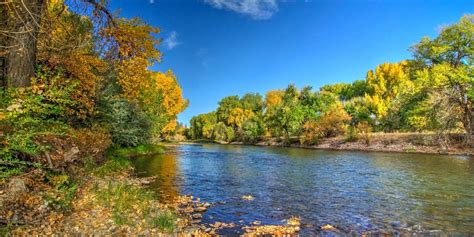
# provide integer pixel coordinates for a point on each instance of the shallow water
(354, 191)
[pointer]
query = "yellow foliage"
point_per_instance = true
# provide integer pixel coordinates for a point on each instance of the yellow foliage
(173, 100)
(238, 116)
(68, 44)
(274, 97)
(386, 83)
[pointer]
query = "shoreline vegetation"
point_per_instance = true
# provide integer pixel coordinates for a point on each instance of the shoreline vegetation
(416, 143)
(423, 104)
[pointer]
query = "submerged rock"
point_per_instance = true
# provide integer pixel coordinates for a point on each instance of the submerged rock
(248, 197)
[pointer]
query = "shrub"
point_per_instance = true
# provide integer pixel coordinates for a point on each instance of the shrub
(352, 135)
(128, 124)
(332, 123)
(92, 142)
(363, 130)
(310, 134)
(251, 131)
(221, 132)
(29, 114)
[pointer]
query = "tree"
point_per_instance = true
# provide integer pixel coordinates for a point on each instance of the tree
(21, 23)
(384, 86)
(226, 105)
(448, 75)
(288, 115)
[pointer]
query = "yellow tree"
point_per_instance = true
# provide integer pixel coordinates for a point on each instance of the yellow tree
(137, 50)
(172, 101)
(238, 116)
(385, 84)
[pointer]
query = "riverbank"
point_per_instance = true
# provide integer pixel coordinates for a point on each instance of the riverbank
(422, 143)
(100, 197)
(106, 198)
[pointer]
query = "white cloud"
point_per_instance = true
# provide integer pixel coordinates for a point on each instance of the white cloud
(256, 9)
(172, 40)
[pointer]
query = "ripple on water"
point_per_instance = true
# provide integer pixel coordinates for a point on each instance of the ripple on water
(354, 191)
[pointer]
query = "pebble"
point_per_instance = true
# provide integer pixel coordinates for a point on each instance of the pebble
(256, 223)
(200, 209)
(197, 216)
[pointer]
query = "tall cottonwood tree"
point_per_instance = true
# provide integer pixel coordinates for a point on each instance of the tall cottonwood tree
(20, 22)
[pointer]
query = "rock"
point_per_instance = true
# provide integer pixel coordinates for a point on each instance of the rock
(208, 230)
(191, 229)
(17, 186)
(200, 209)
(206, 205)
(188, 209)
(328, 227)
(197, 216)
(256, 223)
(248, 197)
(72, 154)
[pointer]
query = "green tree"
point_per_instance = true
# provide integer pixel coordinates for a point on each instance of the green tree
(446, 82)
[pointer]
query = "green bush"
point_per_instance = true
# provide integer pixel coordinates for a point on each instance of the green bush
(26, 116)
(221, 132)
(128, 124)
(250, 131)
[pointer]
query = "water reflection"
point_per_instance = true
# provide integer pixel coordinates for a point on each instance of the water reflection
(167, 169)
(352, 190)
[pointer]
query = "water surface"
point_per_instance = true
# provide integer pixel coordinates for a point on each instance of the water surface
(354, 191)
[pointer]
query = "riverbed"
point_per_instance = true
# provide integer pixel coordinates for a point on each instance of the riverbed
(356, 192)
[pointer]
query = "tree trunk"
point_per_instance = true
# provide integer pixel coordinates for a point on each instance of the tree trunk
(468, 123)
(24, 27)
(3, 45)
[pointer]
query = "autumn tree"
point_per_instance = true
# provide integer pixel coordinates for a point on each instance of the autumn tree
(445, 84)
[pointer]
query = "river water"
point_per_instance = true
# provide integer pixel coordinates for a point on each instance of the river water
(356, 192)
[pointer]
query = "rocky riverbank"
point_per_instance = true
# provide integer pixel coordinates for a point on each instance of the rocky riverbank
(379, 142)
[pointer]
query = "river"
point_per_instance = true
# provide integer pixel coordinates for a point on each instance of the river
(356, 192)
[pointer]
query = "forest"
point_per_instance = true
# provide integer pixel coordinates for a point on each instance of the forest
(429, 93)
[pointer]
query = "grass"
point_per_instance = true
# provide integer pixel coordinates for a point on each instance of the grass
(148, 149)
(124, 200)
(63, 193)
(130, 204)
(165, 221)
(113, 165)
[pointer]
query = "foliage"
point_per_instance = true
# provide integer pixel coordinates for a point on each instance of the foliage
(288, 115)
(173, 102)
(332, 123)
(127, 123)
(64, 191)
(29, 114)
(92, 141)
(251, 130)
(221, 132)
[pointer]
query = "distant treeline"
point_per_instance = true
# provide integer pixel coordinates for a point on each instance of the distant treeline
(433, 91)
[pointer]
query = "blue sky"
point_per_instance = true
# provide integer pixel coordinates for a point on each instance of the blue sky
(218, 48)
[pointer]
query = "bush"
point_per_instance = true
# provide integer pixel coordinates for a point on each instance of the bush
(250, 131)
(128, 124)
(332, 123)
(27, 116)
(221, 132)
(363, 130)
(92, 142)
